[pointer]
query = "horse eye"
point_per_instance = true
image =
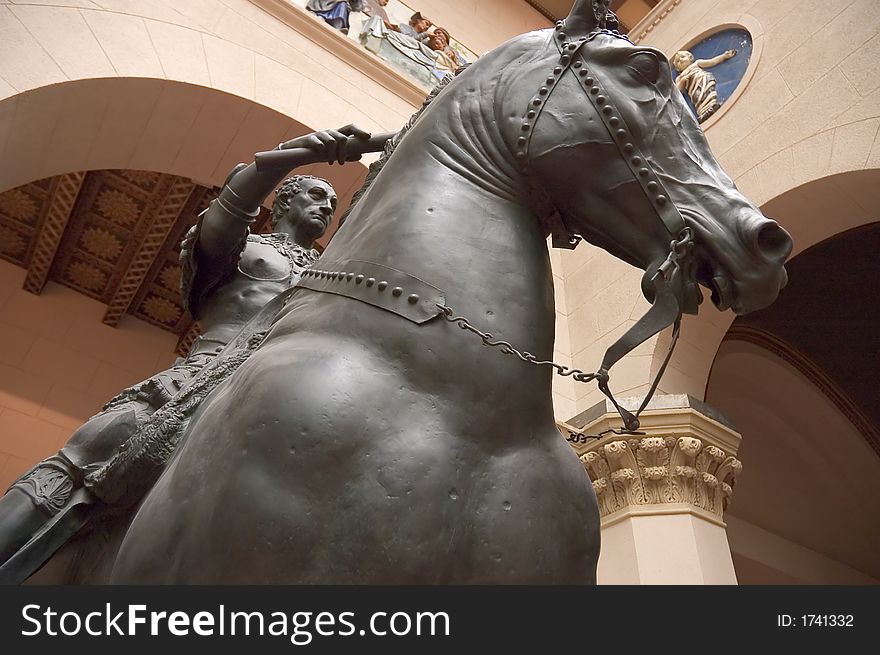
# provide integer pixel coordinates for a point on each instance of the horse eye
(647, 65)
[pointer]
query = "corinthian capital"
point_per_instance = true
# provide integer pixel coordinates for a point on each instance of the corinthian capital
(686, 456)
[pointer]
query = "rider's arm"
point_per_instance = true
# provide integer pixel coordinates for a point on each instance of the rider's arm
(211, 250)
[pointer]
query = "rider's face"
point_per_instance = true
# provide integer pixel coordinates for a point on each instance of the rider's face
(310, 210)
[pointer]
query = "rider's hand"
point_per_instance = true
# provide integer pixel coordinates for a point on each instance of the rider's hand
(330, 145)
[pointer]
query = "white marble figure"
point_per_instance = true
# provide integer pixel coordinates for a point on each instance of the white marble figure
(698, 82)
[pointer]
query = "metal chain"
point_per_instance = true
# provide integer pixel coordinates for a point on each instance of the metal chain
(678, 250)
(578, 437)
(489, 340)
(576, 374)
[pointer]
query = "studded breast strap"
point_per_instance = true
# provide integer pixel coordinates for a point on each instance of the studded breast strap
(377, 285)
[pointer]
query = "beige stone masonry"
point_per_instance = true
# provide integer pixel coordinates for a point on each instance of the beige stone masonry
(151, 84)
(59, 364)
(661, 494)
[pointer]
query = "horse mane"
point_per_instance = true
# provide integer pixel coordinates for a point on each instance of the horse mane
(377, 166)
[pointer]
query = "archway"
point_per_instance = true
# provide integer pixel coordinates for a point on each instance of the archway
(799, 380)
(144, 124)
(153, 147)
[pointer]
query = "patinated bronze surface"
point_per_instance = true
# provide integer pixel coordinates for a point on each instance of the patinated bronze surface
(228, 276)
(368, 440)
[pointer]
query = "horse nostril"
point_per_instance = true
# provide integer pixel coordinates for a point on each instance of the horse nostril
(771, 241)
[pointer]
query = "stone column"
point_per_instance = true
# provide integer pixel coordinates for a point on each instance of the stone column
(662, 495)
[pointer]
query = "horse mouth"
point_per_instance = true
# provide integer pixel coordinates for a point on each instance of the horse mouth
(722, 291)
(718, 283)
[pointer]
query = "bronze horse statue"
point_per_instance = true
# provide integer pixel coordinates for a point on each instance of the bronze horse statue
(368, 440)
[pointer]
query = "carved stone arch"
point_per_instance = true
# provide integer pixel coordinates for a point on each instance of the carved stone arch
(799, 381)
(143, 124)
(162, 148)
(181, 88)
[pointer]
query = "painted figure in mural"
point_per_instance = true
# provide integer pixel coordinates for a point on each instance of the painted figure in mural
(699, 83)
(335, 12)
(439, 42)
(377, 8)
(417, 29)
(424, 54)
(372, 438)
(416, 32)
(228, 275)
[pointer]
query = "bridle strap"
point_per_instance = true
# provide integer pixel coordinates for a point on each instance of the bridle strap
(664, 311)
(666, 308)
(638, 164)
(571, 59)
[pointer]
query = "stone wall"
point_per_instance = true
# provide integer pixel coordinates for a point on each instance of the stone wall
(198, 84)
(481, 24)
(808, 109)
(59, 364)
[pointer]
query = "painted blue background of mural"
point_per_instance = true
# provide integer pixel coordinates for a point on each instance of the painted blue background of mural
(728, 73)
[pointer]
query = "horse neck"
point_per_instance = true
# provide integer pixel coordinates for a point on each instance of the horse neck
(436, 214)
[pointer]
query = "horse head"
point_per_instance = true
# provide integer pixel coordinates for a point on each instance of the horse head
(612, 153)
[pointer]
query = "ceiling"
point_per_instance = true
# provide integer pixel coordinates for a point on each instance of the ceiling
(112, 235)
(552, 9)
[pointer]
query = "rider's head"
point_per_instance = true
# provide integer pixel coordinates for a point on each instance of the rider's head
(303, 208)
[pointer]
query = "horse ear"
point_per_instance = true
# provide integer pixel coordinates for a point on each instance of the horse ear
(586, 16)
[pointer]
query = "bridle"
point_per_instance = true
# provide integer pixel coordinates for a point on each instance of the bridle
(570, 61)
(668, 301)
